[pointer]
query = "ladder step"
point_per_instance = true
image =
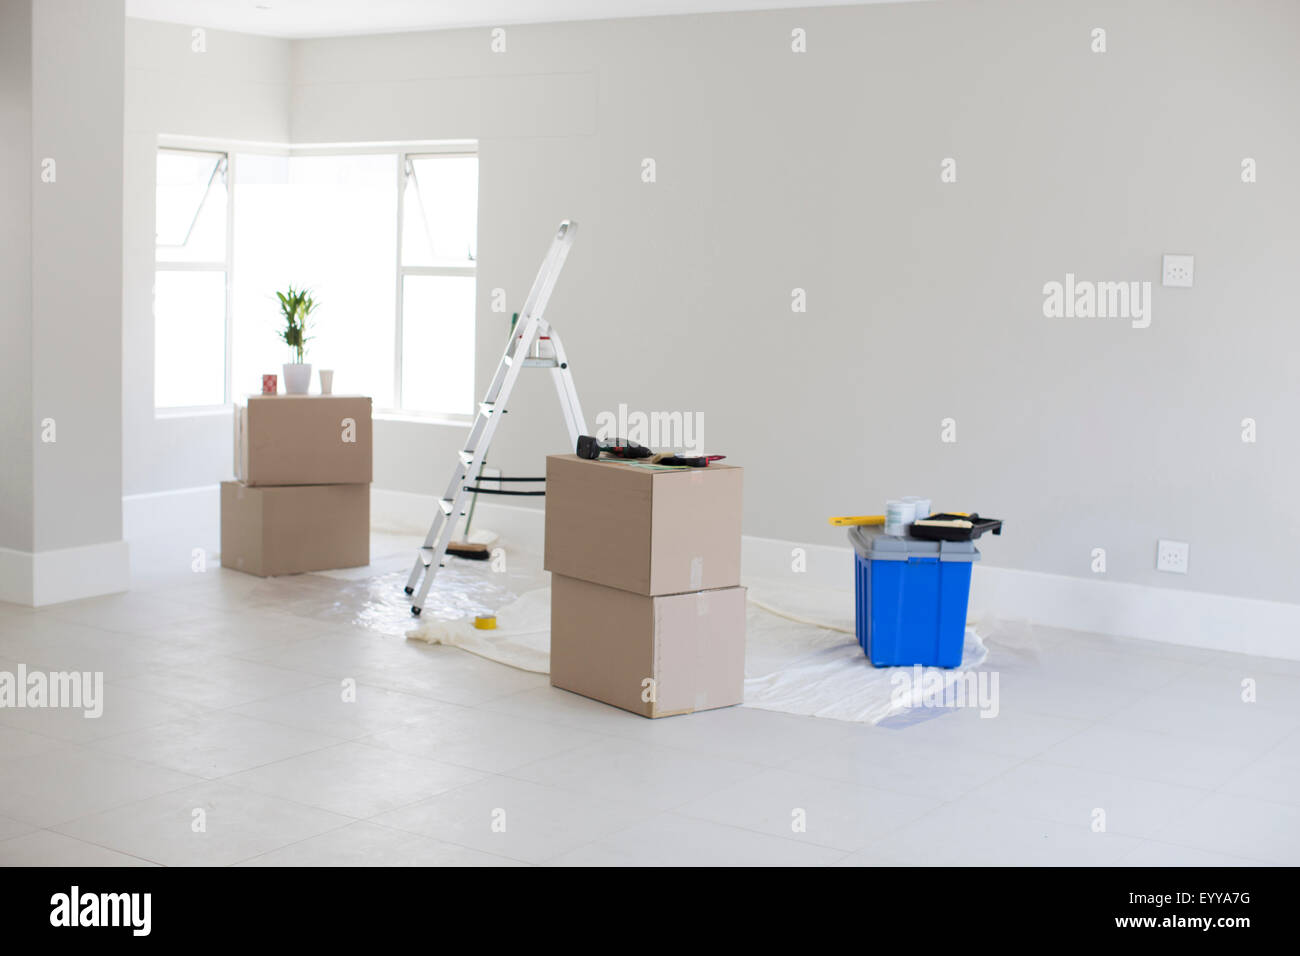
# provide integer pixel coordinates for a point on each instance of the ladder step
(486, 408)
(466, 456)
(540, 363)
(446, 504)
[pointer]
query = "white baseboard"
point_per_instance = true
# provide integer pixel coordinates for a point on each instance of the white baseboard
(193, 511)
(1218, 622)
(1169, 615)
(404, 512)
(38, 578)
(820, 565)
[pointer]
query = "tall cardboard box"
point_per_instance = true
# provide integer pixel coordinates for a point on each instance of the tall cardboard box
(649, 532)
(288, 529)
(654, 656)
(304, 440)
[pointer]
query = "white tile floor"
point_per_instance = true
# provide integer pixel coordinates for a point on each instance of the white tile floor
(225, 740)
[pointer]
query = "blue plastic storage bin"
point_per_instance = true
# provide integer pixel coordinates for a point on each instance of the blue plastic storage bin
(911, 598)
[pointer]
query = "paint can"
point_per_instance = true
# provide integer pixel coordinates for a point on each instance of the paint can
(898, 515)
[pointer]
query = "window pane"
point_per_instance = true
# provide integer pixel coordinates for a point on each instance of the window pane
(438, 344)
(440, 211)
(189, 311)
(328, 223)
(190, 217)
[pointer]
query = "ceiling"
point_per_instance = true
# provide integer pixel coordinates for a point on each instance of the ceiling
(316, 18)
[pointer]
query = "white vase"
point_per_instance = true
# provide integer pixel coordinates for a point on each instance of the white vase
(297, 378)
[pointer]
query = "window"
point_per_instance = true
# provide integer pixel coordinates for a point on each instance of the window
(386, 241)
(190, 279)
(327, 223)
(435, 323)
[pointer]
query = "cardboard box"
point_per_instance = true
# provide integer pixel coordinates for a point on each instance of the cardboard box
(650, 532)
(303, 440)
(686, 652)
(288, 529)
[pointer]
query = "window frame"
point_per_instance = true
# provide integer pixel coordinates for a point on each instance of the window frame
(186, 411)
(464, 150)
(404, 151)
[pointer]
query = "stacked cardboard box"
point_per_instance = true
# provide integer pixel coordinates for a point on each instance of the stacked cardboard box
(647, 612)
(301, 501)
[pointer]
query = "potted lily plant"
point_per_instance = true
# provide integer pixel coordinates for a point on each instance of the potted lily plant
(296, 307)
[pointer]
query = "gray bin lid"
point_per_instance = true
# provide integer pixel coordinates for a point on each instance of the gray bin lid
(872, 544)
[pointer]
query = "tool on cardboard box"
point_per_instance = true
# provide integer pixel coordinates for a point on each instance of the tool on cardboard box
(689, 461)
(524, 350)
(592, 448)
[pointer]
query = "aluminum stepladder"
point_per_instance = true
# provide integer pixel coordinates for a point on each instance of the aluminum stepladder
(524, 350)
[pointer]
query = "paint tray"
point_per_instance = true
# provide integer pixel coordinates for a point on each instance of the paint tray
(953, 527)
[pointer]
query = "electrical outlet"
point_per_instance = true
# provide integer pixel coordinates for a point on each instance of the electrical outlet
(1172, 556)
(1178, 271)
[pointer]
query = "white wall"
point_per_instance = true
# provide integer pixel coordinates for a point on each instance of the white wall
(236, 90)
(821, 171)
(76, 277)
(61, 525)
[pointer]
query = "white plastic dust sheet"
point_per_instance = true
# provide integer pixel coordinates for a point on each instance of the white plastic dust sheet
(802, 657)
(801, 654)
(522, 637)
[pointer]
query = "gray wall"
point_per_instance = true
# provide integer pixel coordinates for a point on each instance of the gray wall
(16, 179)
(821, 171)
(237, 90)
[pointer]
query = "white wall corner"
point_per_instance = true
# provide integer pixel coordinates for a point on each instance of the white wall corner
(36, 579)
(16, 576)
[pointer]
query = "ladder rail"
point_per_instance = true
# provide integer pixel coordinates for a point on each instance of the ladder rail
(528, 331)
(451, 504)
(562, 376)
(540, 293)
